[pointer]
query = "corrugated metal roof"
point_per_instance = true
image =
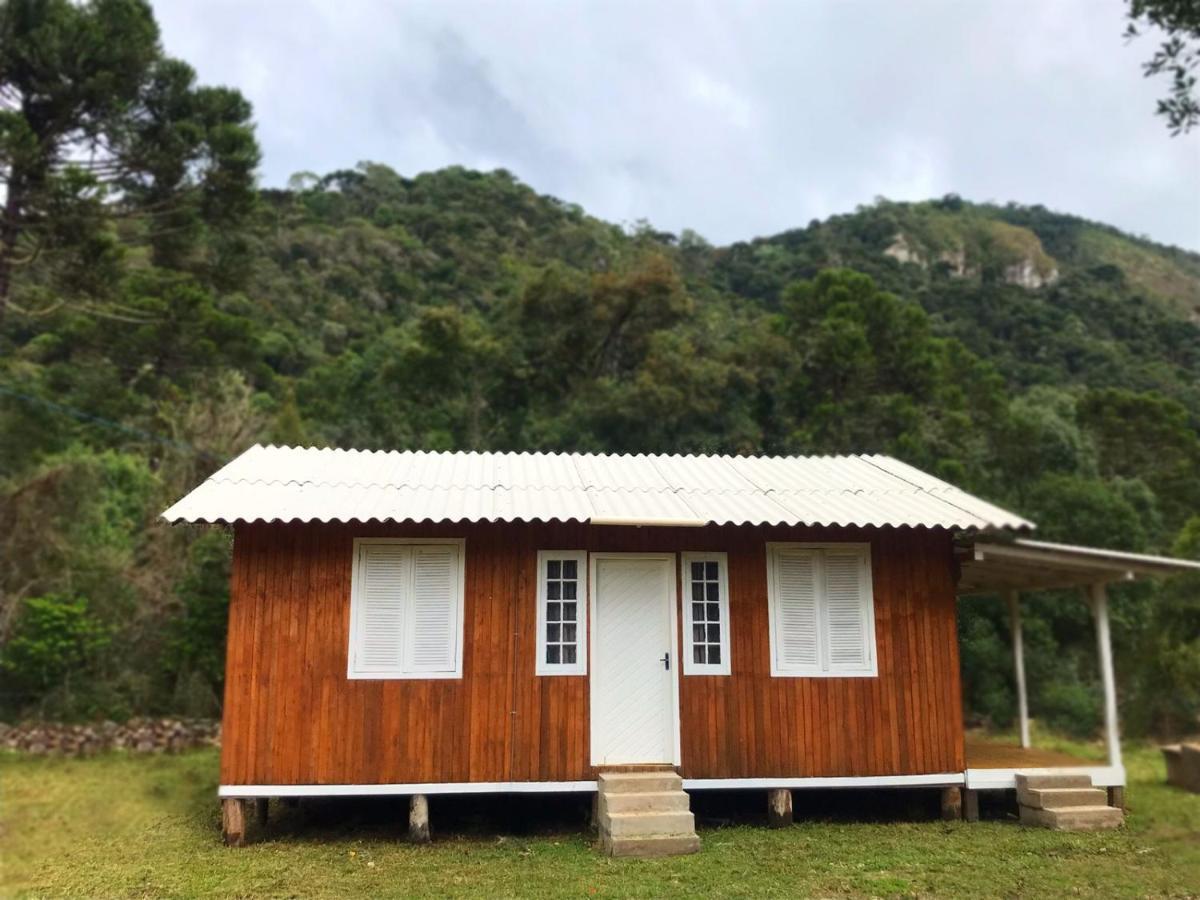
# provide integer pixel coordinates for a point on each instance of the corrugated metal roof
(309, 484)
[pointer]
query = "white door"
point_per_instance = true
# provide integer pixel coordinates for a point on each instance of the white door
(633, 660)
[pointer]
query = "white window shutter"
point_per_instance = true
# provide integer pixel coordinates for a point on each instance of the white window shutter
(433, 630)
(796, 609)
(846, 610)
(382, 600)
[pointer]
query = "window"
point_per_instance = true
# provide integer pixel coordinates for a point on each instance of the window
(406, 604)
(562, 616)
(705, 613)
(821, 610)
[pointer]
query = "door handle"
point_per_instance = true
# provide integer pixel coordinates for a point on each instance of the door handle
(666, 661)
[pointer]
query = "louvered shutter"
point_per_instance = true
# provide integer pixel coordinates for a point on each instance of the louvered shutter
(796, 644)
(384, 572)
(432, 644)
(846, 609)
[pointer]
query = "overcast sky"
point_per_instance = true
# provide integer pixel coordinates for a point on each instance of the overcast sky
(735, 119)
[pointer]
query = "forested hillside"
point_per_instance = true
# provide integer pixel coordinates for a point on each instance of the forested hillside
(159, 314)
(1049, 363)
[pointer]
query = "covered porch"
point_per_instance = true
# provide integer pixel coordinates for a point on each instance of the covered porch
(1007, 569)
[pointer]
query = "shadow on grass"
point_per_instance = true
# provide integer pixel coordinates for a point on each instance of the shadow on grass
(483, 816)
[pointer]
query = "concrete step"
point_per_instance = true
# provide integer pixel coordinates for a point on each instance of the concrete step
(1061, 798)
(1041, 782)
(661, 845)
(654, 781)
(648, 824)
(644, 801)
(1075, 818)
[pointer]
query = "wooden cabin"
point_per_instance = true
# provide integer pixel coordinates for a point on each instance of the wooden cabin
(636, 627)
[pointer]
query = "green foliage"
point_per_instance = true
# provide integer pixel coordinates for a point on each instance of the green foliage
(55, 645)
(1177, 56)
(100, 135)
(195, 649)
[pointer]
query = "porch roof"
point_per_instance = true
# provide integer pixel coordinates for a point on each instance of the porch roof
(1026, 565)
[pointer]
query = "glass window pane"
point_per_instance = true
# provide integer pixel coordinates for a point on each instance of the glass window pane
(568, 590)
(553, 632)
(698, 633)
(568, 613)
(698, 654)
(568, 633)
(554, 569)
(553, 653)
(569, 569)
(714, 634)
(714, 654)
(568, 654)
(710, 571)
(697, 612)
(553, 590)
(698, 590)
(714, 613)
(698, 571)
(714, 592)
(553, 612)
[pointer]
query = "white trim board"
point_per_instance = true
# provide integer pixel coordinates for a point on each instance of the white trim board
(252, 791)
(1002, 779)
(943, 779)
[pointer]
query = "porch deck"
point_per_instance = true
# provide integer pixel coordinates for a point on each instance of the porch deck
(986, 753)
(993, 764)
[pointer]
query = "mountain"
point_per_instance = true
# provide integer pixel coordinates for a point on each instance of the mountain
(1042, 360)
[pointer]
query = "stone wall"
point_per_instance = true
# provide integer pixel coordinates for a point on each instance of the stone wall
(137, 735)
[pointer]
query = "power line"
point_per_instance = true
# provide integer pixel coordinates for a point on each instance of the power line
(93, 419)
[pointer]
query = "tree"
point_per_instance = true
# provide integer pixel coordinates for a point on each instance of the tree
(98, 127)
(1178, 56)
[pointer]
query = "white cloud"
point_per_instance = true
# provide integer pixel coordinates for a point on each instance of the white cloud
(736, 120)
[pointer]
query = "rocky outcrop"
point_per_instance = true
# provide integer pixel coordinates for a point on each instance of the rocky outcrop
(137, 735)
(1026, 274)
(1030, 272)
(903, 252)
(955, 263)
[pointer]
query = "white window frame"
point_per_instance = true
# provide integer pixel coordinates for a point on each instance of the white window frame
(580, 666)
(355, 586)
(685, 576)
(822, 669)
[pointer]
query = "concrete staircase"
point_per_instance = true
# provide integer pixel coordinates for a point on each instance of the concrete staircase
(645, 813)
(1065, 803)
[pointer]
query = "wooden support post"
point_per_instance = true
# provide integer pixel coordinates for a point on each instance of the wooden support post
(779, 807)
(233, 821)
(1018, 649)
(1112, 736)
(970, 802)
(951, 804)
(1116, 796)
(261, 806)
(418, 819)
(594, 814)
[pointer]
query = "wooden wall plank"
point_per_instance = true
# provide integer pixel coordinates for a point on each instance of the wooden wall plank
(292, 716)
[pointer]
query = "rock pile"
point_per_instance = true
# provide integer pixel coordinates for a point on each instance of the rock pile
(138, 735)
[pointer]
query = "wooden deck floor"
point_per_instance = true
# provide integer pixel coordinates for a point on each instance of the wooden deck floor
(989, 754)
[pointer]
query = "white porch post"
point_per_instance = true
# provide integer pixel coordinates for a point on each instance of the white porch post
(1099, 601)
(1018, 648)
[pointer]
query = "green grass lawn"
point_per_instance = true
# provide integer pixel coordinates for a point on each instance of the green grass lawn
(123, 826)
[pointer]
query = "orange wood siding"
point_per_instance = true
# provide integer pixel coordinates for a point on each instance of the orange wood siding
(293, 717)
